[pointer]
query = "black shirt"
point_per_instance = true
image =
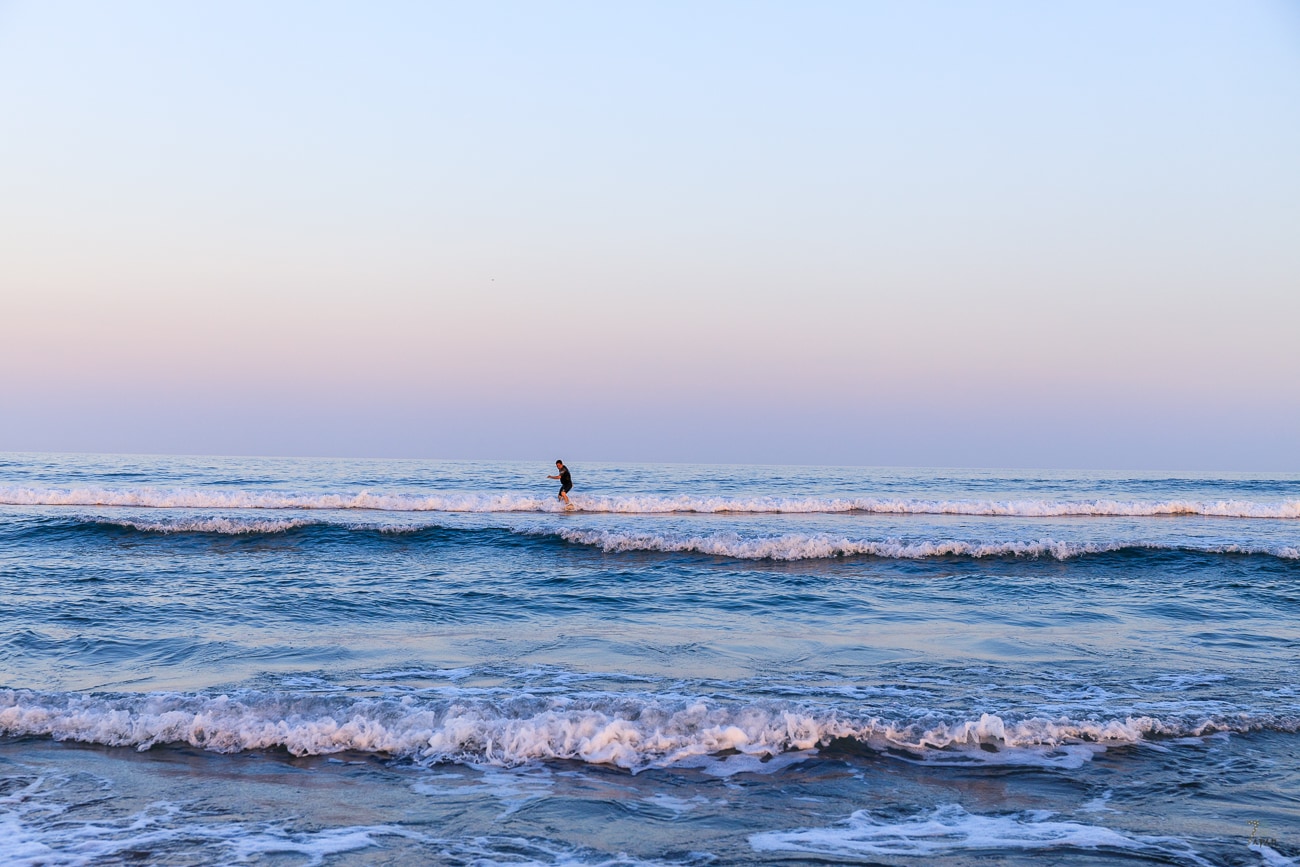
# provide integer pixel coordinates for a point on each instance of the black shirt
(566, 481)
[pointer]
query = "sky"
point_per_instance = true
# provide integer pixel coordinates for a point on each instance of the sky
(997, 234)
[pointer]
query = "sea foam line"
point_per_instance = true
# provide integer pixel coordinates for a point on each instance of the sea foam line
(39, 828)
(506, 502)
(949, 828)
(629, 732)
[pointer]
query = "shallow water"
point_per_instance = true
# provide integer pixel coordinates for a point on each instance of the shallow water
(212, 660)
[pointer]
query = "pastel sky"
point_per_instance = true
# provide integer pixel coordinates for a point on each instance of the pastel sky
(913, 233)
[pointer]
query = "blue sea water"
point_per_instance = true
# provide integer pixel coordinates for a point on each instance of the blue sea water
(233, 660)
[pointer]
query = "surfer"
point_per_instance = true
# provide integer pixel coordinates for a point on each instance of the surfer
(566, 481)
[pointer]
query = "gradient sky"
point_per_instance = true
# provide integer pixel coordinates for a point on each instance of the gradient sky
(932, 233)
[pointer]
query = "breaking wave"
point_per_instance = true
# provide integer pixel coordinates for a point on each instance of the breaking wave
(222, 526)
(786, 547)
(507, 502)
(812, 547)
(634, 733)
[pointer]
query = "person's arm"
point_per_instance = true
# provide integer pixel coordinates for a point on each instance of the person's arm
(552, 477)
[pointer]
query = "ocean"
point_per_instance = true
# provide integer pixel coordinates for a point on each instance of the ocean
(211, 660)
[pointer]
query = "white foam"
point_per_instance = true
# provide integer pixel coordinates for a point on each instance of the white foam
(1098, 805)
(792, 546)
(39, 829)
(624, 732)
(950, 828)
(514, 788)
(217, 525)
(36, 831)
(316, 846)
(822, 546)
(1271, 857)
(679, 806)
(149, 497)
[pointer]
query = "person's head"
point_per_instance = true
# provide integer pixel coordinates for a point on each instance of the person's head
(559, 463)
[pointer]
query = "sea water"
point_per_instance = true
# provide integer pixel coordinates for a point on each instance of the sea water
(230, 660)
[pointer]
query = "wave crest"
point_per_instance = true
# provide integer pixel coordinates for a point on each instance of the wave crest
(506, 502)
(631, 733)
(785, 547)
(820, 546)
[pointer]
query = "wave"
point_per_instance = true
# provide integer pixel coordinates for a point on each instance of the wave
(634, 733)
(820, 546)
(784, 547)
(505, 502)
(215, 525)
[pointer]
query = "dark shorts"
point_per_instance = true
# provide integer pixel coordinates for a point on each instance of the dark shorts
(564, 489)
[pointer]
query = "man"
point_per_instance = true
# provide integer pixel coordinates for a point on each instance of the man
(566, 481)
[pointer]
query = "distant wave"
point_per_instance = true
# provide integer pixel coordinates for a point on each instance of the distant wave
(368, 500)
(217, 525)
(787, 547)
(811, 547)
(628, 732)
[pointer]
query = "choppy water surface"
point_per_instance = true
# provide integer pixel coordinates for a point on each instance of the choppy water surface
(212, 660)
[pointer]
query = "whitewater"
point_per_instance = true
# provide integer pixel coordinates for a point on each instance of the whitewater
(380, 501)
(230, 660)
